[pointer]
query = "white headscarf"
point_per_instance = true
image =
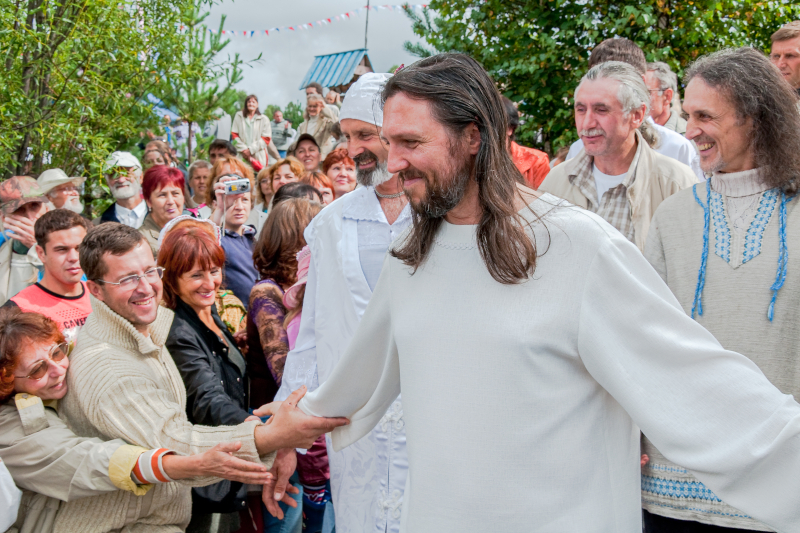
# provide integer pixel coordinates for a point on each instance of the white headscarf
(363, 99)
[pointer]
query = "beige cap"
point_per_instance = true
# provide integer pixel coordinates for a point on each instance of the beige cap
(52, 178)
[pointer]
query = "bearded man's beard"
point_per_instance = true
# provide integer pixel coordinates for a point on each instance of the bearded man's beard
(442, 193)
(74, 204)
(125, 191)
(374, 176)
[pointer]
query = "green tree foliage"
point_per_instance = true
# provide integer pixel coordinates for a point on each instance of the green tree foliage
(293, 113)
(75, 76)
(537, 50)
(194, 89)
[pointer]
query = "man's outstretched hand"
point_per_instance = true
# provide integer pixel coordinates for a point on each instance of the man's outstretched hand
(278, 488)
(290, 427)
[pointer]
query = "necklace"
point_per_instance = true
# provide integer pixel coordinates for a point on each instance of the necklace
(389, 196)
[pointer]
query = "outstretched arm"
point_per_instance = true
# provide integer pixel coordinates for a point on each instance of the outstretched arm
(705, 408)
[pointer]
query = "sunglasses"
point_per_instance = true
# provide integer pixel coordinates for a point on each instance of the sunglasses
(57, 354)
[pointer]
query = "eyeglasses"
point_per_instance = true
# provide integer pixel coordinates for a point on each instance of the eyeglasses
(57, 353)
(657, 90)
(132, 281)
(68, 188)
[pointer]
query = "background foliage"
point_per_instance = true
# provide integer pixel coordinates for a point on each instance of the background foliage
(537, 50)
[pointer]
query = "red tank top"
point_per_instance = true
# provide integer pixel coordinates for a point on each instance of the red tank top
(69, 312)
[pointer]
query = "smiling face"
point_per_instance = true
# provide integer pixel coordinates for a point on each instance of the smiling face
(364, 146)
(60, 255)
(314, 107)
(251, 105)
(722, 138)
(434, 166)
(786, 56)
(66, 196)
(139, 304)
(602, 124)
(124, 182)
(343, 177)
(165, 204)
(308, 154)
(198, 287)
(53, 386)
(281, 177)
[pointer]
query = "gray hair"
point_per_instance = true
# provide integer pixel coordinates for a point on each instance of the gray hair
(666, 78)
(632, 93)
(756, 90)
(314, 97)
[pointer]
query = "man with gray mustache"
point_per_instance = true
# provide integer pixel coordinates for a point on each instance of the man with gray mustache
(348, 242)
(617, 175)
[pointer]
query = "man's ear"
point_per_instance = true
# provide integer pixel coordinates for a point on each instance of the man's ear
(94, 290)
(40, 252)
(474, 138)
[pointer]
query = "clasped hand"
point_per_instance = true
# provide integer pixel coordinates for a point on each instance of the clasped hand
(287, 429)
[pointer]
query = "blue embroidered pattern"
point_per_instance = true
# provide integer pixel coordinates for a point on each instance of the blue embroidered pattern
(677, 489)
(721, 229)
(752, 241)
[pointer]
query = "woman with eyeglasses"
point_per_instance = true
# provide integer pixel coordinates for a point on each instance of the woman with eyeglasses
(52, 464)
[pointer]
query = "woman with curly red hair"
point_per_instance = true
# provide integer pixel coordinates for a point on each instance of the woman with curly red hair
(341, 170)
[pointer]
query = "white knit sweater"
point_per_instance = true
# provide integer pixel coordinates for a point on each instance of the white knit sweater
(125, 385)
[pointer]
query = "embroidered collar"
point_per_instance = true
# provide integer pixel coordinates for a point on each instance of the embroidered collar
(363, 204)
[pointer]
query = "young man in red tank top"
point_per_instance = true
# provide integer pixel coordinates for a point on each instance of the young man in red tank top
(60, 294)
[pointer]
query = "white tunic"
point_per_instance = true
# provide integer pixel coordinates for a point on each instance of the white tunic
(521, 402)
(368, 478)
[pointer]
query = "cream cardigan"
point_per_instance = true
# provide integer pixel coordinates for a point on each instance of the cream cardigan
(125, 385)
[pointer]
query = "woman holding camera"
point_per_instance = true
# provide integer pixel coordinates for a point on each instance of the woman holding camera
(231, 211)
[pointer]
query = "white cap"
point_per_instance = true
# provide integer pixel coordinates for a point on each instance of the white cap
(53, 177)
(363, 99)
(121, 159)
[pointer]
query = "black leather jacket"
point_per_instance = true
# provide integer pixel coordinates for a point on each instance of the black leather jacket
(216, 388)
(216, 394)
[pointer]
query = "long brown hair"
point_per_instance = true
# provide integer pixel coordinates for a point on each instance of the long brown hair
(461, 93)
(755, 89)
(281, 238)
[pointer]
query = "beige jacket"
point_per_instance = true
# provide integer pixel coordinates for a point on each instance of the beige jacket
(252, 136)
(123, 385)
(53, 465)
(657, 177)
(322, 132)
(17, 271)
(150, 230)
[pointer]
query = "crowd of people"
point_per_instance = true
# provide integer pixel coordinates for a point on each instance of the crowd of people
(608, 333)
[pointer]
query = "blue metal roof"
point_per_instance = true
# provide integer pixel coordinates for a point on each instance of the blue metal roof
(334, 69)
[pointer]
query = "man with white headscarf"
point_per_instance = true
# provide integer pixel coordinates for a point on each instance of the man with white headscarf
(348, 241)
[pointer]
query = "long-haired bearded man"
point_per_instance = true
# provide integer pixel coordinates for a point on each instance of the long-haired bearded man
(531, 341)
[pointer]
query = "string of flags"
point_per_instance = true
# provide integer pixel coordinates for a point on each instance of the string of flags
(316, 24)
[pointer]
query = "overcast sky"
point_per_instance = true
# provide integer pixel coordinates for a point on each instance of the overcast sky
(287, 56)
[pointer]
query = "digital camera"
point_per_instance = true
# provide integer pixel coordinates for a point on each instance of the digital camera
(237, 186)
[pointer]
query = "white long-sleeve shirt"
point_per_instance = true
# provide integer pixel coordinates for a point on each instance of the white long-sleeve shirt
(348, 241)
(521, 402)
